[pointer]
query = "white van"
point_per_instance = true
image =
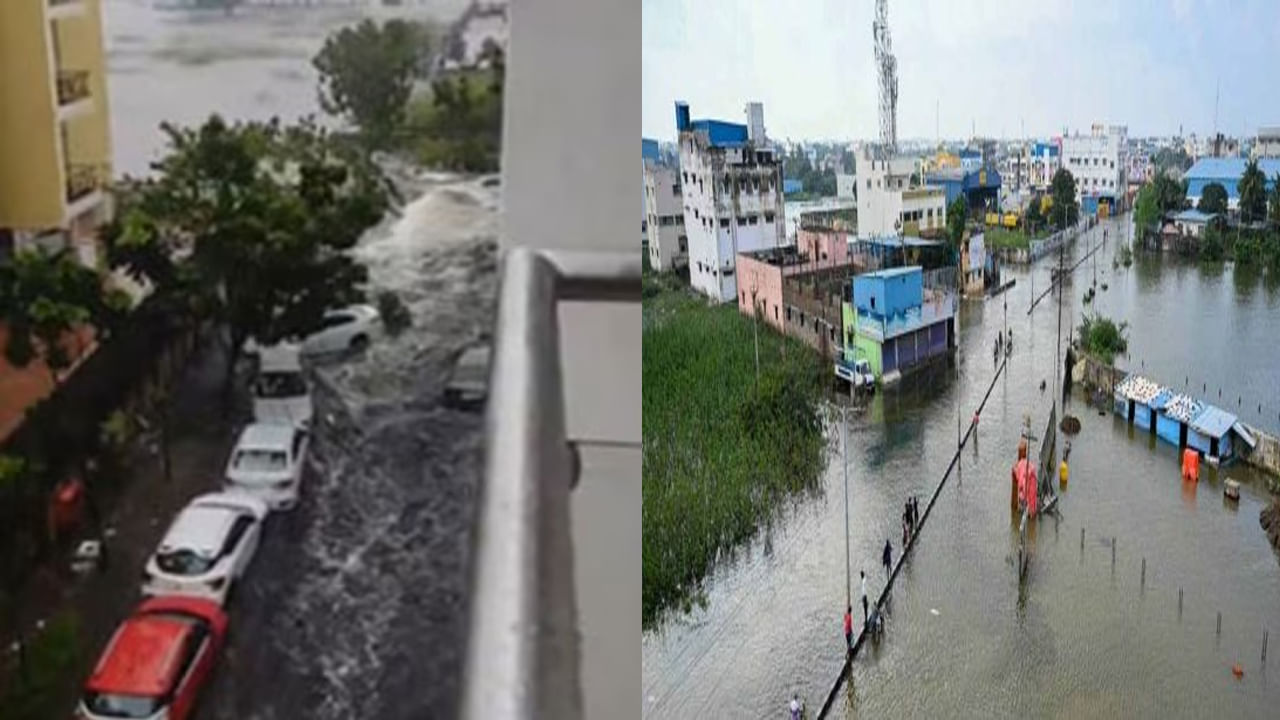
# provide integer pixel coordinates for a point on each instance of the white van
(280, 390)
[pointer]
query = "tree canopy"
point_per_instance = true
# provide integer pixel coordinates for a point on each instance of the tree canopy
(1170, 194)
(45, 297)
(251, 224)
(367, 72)
(1065, 210)
(957, 212)
(1273, 201)
(460, 126)
(1253, 197)
(1146, 208)
(1213, 199)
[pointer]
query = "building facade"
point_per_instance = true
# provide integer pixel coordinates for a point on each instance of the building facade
(1267, 144)
(731, 183)
(898, 319)
(664, 210)
(1045, 159)
(1098, 162)
(845, 183)
(799, 292)
(888, 202)
(55, 145)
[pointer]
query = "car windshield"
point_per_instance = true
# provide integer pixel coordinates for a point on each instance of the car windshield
(258, 460)
(117, 705)
(184, 562)
(280, 385)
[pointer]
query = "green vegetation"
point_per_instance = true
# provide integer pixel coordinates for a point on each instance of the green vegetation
(1253, 194)
(250, 224)
(722, 449)
(1124, 256)
(1102, 337)
(817, 183)
(1273, 201)
(999, 237)
(957, 213)
(458, 127)
(1171, 159)
(1065, 210)
(45, 298)
(1155, 199)
(1213, 199)
(34, 690)
(367, 72)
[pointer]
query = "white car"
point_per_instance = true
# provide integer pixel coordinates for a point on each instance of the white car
(280, 390)
(350, 328)
(207, 548)
(468, 385)
(267, 463)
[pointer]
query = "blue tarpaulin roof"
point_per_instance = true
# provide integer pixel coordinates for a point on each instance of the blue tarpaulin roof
(1213, 421)
(1161, 399)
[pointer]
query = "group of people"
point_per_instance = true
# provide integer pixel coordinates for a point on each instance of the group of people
(1003, 345)
(910, 519)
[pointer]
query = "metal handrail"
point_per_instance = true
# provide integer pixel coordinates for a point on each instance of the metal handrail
(523, 647)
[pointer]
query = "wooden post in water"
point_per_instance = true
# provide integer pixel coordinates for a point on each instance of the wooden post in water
(1219, 630)
(1144, 574)
(844, 461)
(1179, 602)
(1264, 645)
(1081, 539)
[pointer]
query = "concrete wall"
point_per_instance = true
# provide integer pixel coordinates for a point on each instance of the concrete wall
(826, 248)
(760, 285)
(664, 215)
(31, 182)
(1266, 456)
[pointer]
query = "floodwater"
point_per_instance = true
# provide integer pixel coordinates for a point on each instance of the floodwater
(1081, 636)
(355, 605)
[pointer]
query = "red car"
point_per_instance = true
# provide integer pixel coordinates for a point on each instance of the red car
(156, 662)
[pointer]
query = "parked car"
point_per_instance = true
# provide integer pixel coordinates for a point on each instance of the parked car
(267, 462)
(207, 548)
(280, 389)
(156, 662)
(350, 328)
(468, 384)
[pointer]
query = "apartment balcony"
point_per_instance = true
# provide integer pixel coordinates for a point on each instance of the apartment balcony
(73, 86)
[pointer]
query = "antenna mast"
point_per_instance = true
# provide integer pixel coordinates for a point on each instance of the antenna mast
(887, 69)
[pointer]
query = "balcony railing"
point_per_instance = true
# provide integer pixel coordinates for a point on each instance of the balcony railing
(81, 180)
(58, 3)
(73, 85)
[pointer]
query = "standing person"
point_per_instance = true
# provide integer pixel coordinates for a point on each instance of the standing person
(905, 533)
(863, 575)
(795, 707)
(888, 556)
(848, 627)
(915, 508)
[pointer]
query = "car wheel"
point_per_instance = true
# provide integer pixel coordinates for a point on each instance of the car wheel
(359, 343)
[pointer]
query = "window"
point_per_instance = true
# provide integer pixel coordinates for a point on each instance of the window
(741, 220)
(196, 643)
(877, 182)
(743, 294)
(686, 176)
(868, 183)
(775, 312)
(728, 271)
(724, 222)
(684, 244)
(768, 217)
(753, 219)
(788, 313)
(238, 529)
(873, 302)
(675, 189)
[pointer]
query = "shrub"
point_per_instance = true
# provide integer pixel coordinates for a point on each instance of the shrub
(396, 317)
(1102, 337)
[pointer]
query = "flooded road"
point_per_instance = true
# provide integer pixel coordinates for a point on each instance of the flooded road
(964, 638)
(355, 604)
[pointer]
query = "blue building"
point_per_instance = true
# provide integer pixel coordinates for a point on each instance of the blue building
(791, 185)
(980, 186)
(896, 320)
(1226, 172)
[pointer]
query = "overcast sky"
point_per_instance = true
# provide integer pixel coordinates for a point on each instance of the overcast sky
(999, 66)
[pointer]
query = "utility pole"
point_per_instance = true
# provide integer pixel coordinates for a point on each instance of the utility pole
(844, 461)
(1057, 390)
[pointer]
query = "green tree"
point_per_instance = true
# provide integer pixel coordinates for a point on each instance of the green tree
(1213, 199)
(957, 213)
(250, 224)
(1065, 210)
(1032, 218)
(47, 297)
(1146, 209)
(460, 126)
(367, 72)
(1170, 194)
(1253, 197)
(1273, 201)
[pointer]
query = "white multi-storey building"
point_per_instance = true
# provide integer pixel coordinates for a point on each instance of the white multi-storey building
(888, 204)
(664, 217)
(731, 183)
(844, 186)
(1045, 160)
(1098, 162)
(1268, 143)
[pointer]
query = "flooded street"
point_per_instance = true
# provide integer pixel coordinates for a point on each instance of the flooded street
(355, 604)
(964, 637)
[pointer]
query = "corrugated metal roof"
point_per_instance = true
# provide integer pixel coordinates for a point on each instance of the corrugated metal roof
(1213, 168)
(1213, 421)
(1245, 435)
(893, 272)
(1161, 399)
(1194, 216)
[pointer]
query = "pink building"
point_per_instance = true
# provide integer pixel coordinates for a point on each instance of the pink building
(760, 283)
(823, 248)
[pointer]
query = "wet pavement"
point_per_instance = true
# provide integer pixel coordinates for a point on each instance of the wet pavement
(964, 637)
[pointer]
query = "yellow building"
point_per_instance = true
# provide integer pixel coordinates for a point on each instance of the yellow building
(55, 144)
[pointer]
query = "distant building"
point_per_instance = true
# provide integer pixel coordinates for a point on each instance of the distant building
(1191, 223)
(889, 203)
(778, 284)
(55, 142)
(1046, 158)
(980, 187)
(649, 153)
(899, 318)
(482, 28)
(1098, 162)
(668, 244)
(731, 182)
(1268, 143)
(845, 183)
(791, 186)
(1227, 172)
